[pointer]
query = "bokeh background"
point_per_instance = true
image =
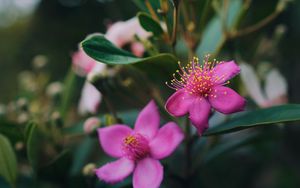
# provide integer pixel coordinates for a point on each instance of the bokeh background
(54, 28)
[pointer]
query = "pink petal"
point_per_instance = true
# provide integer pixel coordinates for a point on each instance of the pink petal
(111, 139)
(148, 174)
(82, 63)
(178, 104)
(123, 32)
(89, 100)
(137, 49)
(226, 100)
(91, 124)
(116, 34)
(166, 140)
(225, 71)
(199, 114)
(115, 171)
(147, 122)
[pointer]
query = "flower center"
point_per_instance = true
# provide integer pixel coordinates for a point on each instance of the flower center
(199, 82)
(136, 146)
(196, 79)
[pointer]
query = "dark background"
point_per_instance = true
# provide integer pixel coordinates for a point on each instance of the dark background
(55, 27)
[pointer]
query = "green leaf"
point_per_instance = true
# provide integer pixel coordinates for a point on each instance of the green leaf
(8, 161)
(228, 146)
(82, 153)
(140, 4)
(213, 34)
(32, 141)
(102, 50)
(277, 114)
(11, 130)
(58, 167)
(149, 24)
(68, 92)
(159, 68)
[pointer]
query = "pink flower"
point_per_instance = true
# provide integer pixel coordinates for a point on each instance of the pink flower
(91, 98)
(82, 63)
(139, 150)
(123, 32)
(200, 88)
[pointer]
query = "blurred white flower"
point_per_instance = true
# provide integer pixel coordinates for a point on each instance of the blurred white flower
(54, 89)
(275, 89)
(123, 32)
(90, 99)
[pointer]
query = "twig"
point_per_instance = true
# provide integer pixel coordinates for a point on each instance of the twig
(254, 27)
(151, 10)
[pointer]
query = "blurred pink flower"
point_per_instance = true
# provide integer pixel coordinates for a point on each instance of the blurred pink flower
(139, 150)
(137, 49)
(275, 90)
(123, 32)
(82, 63)
(200, 88)
(91, 124)
(120, 33)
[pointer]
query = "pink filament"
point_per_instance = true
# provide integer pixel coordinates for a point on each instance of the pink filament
(136, 146)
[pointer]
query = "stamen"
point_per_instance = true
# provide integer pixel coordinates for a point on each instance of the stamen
(197, 79)
(136, 147)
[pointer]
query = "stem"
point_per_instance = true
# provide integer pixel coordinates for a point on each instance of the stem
(204, 15)
(224, 16)
(241, 14)
(256, 26)
(220, 46)
(175, 22)
(110, 107)
(188, 147)
(185, 14)
(163, 13)
(151, 10)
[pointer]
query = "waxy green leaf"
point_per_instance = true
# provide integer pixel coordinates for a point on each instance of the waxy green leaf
(102, 50)
(268, 116)
(8, 161)
(149, 24)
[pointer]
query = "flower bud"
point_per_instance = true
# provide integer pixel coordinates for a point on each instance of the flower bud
(23, 117)
(110, 120)
(56, 119)
(22, 104)
(88, 170)
(39, 62)
(19, 146)
(281, 5)
(54, 89)
(91, 124)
